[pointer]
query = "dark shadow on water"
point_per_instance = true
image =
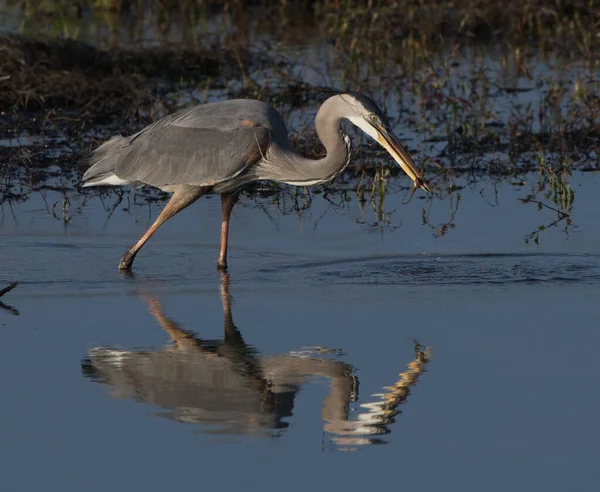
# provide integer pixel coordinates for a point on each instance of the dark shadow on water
(228, 387)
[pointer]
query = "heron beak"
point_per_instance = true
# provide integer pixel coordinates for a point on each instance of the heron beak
(390, 142)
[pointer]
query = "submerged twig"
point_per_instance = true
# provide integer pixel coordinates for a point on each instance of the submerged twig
(10, 309)
(542, 204)
(6, 290)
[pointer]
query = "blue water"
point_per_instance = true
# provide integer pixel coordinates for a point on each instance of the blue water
(328, 308)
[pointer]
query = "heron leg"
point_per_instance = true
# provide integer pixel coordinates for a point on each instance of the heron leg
(182, 197)
(228, 200)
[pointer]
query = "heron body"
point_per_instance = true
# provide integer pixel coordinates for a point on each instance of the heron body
(217, 148)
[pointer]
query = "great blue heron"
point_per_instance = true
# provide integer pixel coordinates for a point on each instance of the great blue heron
(220, 147)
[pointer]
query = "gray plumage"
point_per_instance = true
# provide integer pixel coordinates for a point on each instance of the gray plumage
(220, 147)
(223, 137)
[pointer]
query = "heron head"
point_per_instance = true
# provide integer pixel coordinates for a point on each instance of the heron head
(366, 115)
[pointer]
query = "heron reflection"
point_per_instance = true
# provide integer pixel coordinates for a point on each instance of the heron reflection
(374, 418)
(229, 388)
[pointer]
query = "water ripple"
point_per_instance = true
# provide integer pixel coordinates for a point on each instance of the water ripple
(474, 269)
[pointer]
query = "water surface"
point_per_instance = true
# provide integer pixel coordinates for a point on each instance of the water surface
(279, 371)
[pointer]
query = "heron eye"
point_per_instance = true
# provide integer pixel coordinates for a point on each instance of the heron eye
(374, 118)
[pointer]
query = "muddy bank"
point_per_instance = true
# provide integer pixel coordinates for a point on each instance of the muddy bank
(96, 85)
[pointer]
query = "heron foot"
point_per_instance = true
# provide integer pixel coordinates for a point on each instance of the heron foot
(126, 261)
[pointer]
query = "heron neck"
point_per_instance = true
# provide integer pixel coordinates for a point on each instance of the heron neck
(336, 143)
(290, 167)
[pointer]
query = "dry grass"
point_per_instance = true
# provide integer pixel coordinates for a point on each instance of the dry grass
(373, 26)
(96, 85)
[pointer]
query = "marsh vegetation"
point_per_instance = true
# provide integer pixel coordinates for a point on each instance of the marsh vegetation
(474, 88)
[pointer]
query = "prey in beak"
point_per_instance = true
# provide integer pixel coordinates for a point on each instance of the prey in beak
(375, 124)
(390, 142)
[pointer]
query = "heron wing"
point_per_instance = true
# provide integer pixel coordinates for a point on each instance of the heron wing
(169, 154)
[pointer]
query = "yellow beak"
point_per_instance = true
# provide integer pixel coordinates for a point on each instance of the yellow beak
(390, 142)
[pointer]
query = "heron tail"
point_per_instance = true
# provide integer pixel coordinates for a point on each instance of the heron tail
(100, 164)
